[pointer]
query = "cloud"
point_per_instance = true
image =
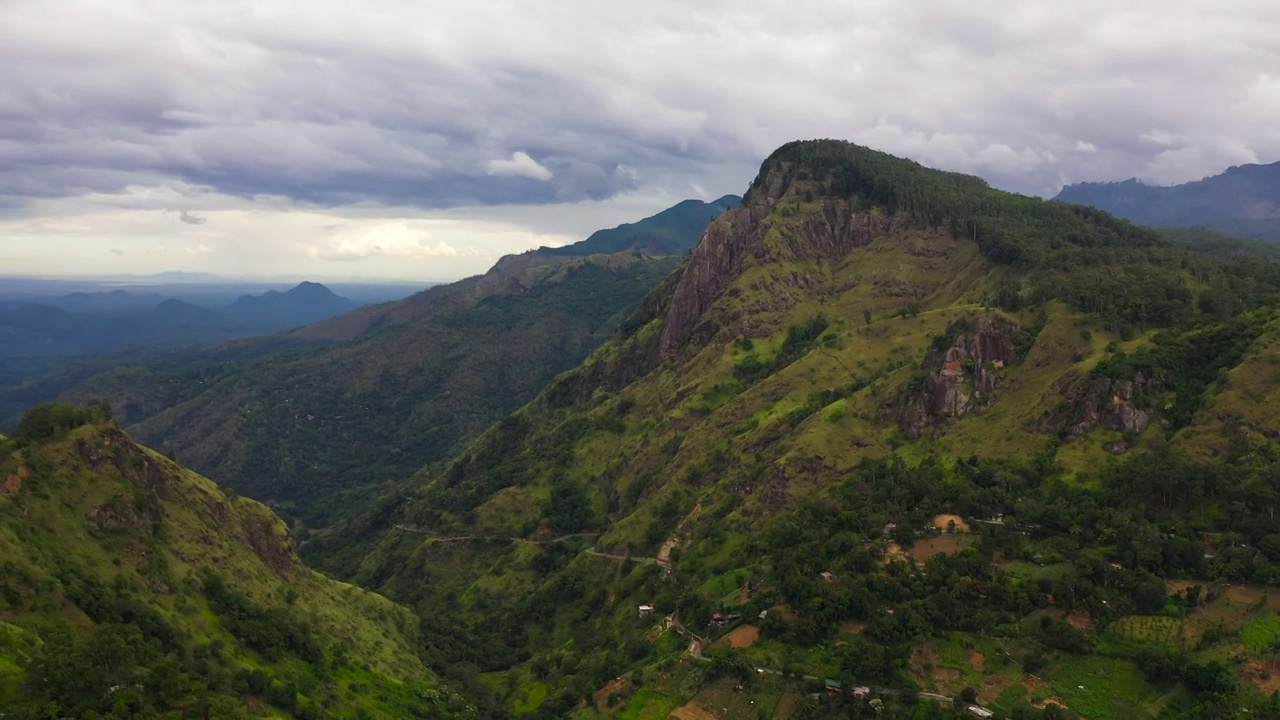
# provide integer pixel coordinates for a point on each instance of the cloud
(409, 106)
(254, 116)
(191, 218)
(520, 165)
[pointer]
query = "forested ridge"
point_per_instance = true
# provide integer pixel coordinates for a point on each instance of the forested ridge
(919, 422)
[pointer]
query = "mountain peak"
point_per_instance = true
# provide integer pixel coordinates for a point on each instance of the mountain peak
(306, 288)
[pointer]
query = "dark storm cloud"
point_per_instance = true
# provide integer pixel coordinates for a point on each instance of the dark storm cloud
(437, 105)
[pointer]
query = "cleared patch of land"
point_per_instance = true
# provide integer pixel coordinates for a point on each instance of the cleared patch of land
(943, 522)
(741, 637)
(922, 550)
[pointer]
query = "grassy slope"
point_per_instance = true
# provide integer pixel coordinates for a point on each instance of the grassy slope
(162, 529)
(688, 455)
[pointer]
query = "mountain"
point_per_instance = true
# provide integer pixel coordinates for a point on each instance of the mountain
(37, 330)
(1244, 201)
(182, 313)
(673, 231)
(304, 304)
(107, 302)
(131, 587)
(369, 397)
(889, 427)
(94, 323)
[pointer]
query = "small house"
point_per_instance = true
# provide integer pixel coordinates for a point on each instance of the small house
(834, 686)
(980, 712)
(828, 577)
(645, 610)
(717, 617)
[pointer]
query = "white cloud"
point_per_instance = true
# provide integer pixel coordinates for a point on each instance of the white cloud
(520, 165)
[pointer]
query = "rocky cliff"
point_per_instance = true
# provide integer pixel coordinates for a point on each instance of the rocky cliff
(961, 372)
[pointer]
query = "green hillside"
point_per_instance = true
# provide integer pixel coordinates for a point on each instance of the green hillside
(319, 420)
(905, 431)
(131, 587)
(370, 397)
(1243, 201)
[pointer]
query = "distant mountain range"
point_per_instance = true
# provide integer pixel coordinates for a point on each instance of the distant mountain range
(94, 322)
(1244, 201)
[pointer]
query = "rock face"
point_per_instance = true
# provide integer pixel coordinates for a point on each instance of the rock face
(961, 377)
(829, 231)
(1101, 402)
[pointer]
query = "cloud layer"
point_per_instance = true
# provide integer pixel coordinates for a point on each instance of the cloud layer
(432, 106)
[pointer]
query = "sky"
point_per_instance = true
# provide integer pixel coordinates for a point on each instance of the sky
(423, 140)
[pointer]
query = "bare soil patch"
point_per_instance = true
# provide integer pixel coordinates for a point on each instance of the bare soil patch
(664, 552)
(942, 522)
(741, 637)
(613, 686)
(1244, 594)
(1080, 621)
(693, 711)
(1263, 675)
(922, 550)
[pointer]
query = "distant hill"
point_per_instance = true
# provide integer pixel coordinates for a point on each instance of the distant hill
(673, 231)
(306, 303)
(368, 397)
(132, 587)
(1243, 201)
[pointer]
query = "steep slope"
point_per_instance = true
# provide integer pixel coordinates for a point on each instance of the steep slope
(1244, 200)
(131, 587)
(866, 349)
(370, 397)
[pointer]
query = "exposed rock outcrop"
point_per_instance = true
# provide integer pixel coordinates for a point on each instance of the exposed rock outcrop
(1102, 402)
(961, 376)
